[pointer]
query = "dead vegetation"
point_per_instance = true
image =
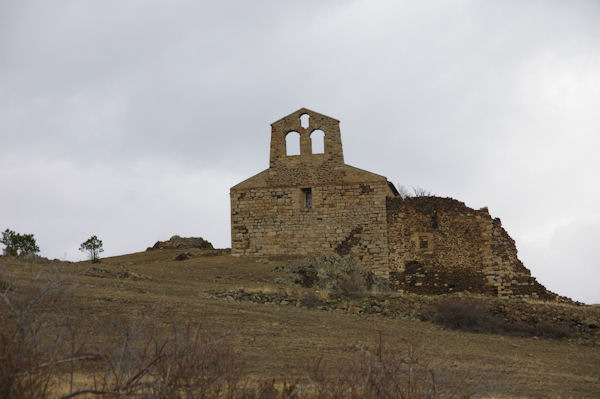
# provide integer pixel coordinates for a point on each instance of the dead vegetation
(480, 316)
(341, 277)
(43, 346)
(405, 374)
(223, 327)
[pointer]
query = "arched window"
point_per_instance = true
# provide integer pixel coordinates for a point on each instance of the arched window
(317, 139)
(292, 143)
(304, 120)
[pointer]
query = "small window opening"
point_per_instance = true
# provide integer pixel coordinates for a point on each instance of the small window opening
(292, 143)
(423, 243)
(304, 120)
(317, 139)
(307, 197)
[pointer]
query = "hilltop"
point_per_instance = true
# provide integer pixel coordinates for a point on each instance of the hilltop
(280, 330)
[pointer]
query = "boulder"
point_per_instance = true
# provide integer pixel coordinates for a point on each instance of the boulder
(182, 256)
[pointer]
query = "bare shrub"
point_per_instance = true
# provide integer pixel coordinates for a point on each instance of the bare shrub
(340, 276)
(310, 299)
(44, 341)
(470, 314)
(35, 327)
(305, 275)
(196, 364)
(540, 328)
(421, 192)
(386, 375)
(414, 191)
(4, 285)
(403, 192)
(548, 329)
(270, 390)
(134, 361)
(475, 315)
(351, 285)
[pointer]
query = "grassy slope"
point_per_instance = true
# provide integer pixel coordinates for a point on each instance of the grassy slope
(278, 341)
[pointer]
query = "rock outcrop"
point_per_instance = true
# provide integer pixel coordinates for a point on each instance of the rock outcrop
(177, 242)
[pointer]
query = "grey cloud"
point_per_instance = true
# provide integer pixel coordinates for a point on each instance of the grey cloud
(492, 103)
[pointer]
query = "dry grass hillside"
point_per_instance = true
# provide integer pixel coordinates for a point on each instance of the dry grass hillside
(256, 326)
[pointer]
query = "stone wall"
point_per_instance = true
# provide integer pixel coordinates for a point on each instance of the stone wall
(346, 219)
(439, 245)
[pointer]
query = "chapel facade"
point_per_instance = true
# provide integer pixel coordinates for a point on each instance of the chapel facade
(311, 203)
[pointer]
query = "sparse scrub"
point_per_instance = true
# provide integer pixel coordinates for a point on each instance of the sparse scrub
(386, 375)
(551, 330)
(104, 338)
(421, 192)
(342, 277)
(134, 360)
(414, 191)
(310, 299)
(35, 315)
(42, 346)
(469, 314)
(351, 285)
(476, 315)
(4, 285)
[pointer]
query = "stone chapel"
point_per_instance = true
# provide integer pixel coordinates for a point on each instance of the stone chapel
(313, 203)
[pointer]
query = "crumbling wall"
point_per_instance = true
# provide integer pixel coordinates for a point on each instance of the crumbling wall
(439, 245)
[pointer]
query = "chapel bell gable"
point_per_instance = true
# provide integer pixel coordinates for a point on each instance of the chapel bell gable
(318, 135)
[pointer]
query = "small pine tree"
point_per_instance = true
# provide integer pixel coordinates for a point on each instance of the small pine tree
(93, 246)
(18, 244)
(8, 239)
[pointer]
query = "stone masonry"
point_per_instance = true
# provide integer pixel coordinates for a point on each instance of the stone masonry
(441, 245)
(313, 203)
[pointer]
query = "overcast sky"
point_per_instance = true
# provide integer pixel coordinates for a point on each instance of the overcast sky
(132, 119)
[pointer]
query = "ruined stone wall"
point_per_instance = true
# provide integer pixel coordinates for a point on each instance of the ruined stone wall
(348, 219)
(439, 245)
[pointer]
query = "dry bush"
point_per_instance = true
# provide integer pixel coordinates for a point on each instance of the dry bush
(43, 344)
(193, 364)
(197, 364)
(475, 315)
(137, 360)
(272, 390)
(405, 375)
(37, 316)
(470, 314)
(541, 328)
(548, 329)
(350, 285)
(342, 277)
(310, 299)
